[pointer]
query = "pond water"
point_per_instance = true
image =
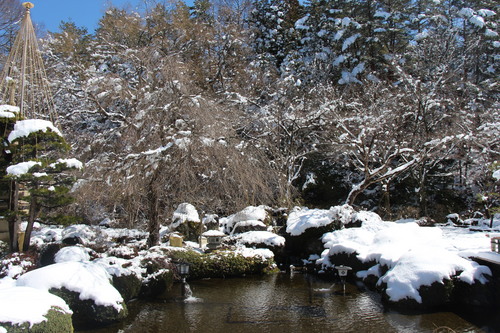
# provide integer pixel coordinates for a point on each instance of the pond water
(279, 303)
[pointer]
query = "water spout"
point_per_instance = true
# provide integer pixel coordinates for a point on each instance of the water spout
(186, 290)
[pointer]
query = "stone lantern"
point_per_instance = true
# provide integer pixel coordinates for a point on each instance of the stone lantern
(214, 238)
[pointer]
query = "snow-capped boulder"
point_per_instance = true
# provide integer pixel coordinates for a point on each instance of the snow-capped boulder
(86, 287)
(25, 309)
(249, 219)
(186, 221)
(126, 275)
(305, 227)
(158, 275)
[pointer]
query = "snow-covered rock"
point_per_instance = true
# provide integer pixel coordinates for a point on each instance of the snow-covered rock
(415, 266)
(249, 219)
(86, 287)
(30, 309)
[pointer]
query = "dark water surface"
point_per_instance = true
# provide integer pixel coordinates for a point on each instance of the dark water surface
(278, 303)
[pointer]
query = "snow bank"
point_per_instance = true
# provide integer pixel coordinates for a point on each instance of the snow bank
(20, 305)
(90, 280)
(261, 237)
(24, 128)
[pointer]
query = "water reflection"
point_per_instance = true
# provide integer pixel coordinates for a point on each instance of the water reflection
(277, 303)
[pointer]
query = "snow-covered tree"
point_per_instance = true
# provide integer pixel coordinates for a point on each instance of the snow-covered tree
(37, 164)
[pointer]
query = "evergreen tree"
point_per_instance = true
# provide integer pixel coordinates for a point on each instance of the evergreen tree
(37, 147)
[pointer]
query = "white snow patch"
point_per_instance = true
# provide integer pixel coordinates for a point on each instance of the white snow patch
(72, 253)
(70, 163)
(261, 237)
(301, 219)
(24, 128)
(21, 168)
(185, 212)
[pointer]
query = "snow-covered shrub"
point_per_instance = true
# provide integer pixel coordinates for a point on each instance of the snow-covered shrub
(16, 264)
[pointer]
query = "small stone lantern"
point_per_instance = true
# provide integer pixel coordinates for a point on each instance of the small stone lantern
(343, 271)
(214, 238)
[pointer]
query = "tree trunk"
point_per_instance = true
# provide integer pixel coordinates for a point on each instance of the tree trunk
(14, 220)
(153, 211)
(31, 221)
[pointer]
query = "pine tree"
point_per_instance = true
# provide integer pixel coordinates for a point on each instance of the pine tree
(37, 149)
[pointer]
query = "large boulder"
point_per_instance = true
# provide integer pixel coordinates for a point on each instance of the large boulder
(186, 221)
(249, 219)
(25, 309)
(158, 273)
(305, 227)
(86, 287)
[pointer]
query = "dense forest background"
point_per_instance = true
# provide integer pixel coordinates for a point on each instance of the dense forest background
(389, 105)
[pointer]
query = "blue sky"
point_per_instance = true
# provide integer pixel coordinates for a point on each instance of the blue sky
(85, 13)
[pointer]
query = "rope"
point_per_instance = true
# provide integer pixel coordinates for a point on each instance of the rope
(24, 81)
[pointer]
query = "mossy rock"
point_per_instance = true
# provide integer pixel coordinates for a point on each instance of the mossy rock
(157, 284)
(434, 297)
(476, 295)
(351, 260)
(129, 286)
(57, 322)
(48, 254)
(190, 230)
(309, 242)
(86, 313)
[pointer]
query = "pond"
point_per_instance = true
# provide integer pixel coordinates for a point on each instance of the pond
(279, 303)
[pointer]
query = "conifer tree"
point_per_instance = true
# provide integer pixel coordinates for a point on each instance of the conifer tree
(37, 164)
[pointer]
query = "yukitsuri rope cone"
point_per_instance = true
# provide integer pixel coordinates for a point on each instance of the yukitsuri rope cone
(23, 81)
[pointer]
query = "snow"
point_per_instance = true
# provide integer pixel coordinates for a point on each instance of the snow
(72, 253)
(300, 218)
(90, 280)
(70, 163)
(246, 252)
(486, 12)
(477, 20)
(20, 305)
(185, 212)
(496, 174)
(350, 41)
(250, 213)
(21, 168)
(24, 128)
(261, 237)
(9, 108)
(8, 111)
(213, 233)
(414, 255)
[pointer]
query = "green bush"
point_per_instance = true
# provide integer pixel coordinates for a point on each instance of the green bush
(221, 264)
